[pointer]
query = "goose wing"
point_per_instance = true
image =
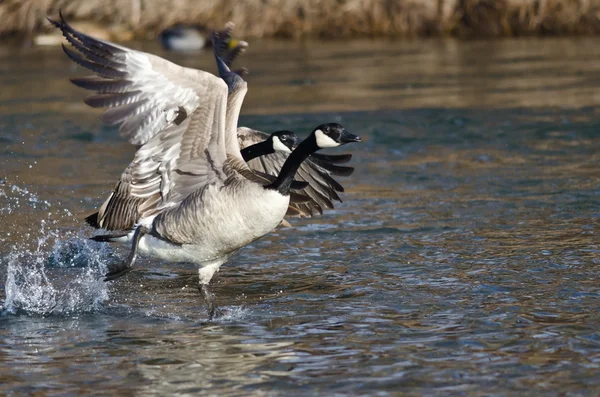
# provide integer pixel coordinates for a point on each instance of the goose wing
(318, 170)
(175, 114)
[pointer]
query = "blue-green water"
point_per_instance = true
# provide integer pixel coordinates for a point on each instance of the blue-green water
(464, 260)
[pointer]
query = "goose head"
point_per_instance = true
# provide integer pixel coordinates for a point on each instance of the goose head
(324, 136)
(332, 135)
(283, 141)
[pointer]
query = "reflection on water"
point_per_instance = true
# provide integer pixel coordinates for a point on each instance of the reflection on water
(464, 260)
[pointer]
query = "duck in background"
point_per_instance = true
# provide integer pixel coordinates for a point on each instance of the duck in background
(180, 37)
(184, 37)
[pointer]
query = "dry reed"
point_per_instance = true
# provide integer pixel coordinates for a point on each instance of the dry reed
(493, 18)
(319, 18)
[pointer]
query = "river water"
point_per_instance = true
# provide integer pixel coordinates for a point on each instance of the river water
(465, 259)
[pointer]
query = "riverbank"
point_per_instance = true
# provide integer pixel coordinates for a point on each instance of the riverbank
(297, 19)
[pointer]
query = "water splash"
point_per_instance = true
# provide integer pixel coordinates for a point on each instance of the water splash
(233, 314)
(55, 271)
(19, 196)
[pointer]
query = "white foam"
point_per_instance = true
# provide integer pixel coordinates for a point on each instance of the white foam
(37, 281)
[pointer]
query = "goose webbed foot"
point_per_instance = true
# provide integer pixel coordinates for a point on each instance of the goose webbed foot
(119, 270)
(213, 311)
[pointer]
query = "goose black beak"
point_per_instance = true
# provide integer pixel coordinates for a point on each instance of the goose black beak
(347, 137)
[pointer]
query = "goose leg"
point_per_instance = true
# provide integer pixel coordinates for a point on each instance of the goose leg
(209, 297)
(119, 270)
(205, 274)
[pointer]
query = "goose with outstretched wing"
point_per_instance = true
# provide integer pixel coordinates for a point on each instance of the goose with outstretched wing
(121, 210)
(318, 171)
(195, 197)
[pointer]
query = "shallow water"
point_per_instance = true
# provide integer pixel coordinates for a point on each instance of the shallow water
(464, 260)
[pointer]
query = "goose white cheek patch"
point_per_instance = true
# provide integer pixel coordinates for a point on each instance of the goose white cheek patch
(278, 146)
(324, 141)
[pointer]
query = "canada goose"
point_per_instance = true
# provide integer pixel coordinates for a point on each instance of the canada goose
(189, 38)
(196, 198)
(119, 212)
(278, 141)
(318, 170)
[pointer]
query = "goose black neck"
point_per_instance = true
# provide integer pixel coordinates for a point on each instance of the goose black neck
(284, 180)
(257, 150)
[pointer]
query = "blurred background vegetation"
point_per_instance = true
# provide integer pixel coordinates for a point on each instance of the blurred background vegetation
(122, 20)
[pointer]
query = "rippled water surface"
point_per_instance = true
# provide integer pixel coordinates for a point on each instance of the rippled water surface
(465, 258)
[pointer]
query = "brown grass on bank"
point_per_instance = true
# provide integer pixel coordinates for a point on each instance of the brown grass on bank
(493, 18)
(318, 18)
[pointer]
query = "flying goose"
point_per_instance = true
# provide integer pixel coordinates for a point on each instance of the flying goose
(197, 199)
(317, 171)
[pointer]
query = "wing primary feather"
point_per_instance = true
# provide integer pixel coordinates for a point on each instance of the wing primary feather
(322, 177)
(112, 100)
(93, 56)
(297, 198)
(336, 186)
(100, 69)
(332, 158)
(86, 40)
(102, 85)
(326, 167)
(221, 42)
(338, 170)
(234, 53)
(121, 113)
(92, 220)
(293, 211)
(224, 36)
(313, 191)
